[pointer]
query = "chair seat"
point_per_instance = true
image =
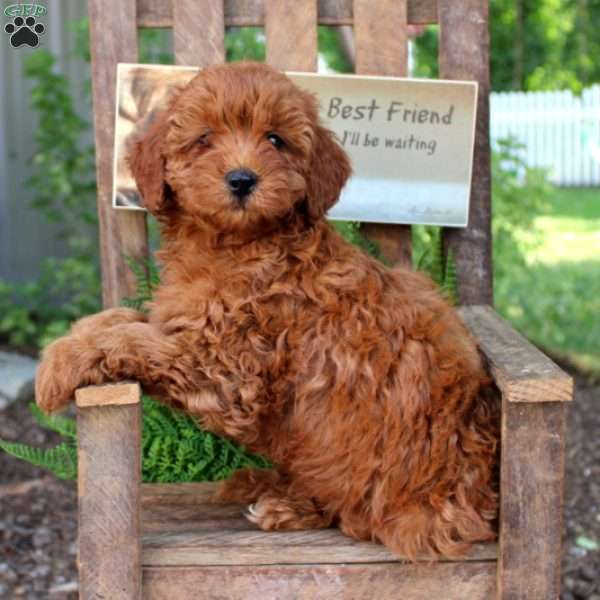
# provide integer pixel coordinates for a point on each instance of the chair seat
(192, 543)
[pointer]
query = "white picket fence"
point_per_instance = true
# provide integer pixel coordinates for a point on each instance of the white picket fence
(561, 131)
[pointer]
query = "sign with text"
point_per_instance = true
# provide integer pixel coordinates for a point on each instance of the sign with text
(410, 141)
(411, 144)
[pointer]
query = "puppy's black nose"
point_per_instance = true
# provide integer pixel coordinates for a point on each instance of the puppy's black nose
(241, 182)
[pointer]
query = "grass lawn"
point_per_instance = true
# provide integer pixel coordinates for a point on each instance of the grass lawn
(555, 301)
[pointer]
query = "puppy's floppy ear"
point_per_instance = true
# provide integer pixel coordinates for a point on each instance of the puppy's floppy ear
(147, 163)
(329, 171)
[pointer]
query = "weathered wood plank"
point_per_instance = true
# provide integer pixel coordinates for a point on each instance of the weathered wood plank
(198, 32)
(154, 13)
(107, 395)
(109, 501)
(381, 42)
(451, 581)
(532, 457)
(123, 234)
(531, 500)
(291, 32)
(182, 526)
(464, 54)
(381, 37)
(242, 13)
(231, 547)
(521, 371)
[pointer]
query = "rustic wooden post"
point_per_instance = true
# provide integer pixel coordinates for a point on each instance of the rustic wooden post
(191, 47)
(109, 479)
(291, 31)
(464, 54)
(123, 234)
(381, 40)
(534, 391)
(531, 503)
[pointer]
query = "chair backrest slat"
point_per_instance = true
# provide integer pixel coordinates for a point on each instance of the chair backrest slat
(198, 32)
(381, 42)
(123, 234)
(380, 37)
(464, 54)
(241, 13)
(291, 32)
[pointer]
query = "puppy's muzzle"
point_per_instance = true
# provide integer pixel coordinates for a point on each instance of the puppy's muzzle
(241, 183)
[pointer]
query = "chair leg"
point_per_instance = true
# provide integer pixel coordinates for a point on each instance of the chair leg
(108, 431)
(531, 504)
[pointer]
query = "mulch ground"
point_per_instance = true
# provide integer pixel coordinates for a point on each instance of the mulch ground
(38, 520)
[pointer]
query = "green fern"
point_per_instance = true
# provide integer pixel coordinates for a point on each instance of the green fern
(63, 425)
(175, 449)
(432, 261)
(450, 282)
(147, 278)
(60, 460)
(351, 232)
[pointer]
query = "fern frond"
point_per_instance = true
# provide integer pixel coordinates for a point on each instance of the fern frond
(352, 233)
(175, 448)
(421, 263)
(64, 425)
(60, 460)
(437, 261)
(147, 277)
(450, 278)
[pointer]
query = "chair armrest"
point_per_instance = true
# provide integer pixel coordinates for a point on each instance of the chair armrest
(112, 394)
(532, 441)
(521, 371)
(109, 490)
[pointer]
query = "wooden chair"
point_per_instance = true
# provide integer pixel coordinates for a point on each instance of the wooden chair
(168, 541)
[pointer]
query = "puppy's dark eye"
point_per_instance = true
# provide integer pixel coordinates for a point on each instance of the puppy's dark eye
(204, 139)
(275, 140)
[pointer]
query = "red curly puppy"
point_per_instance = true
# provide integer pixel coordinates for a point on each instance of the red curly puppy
(359, 382)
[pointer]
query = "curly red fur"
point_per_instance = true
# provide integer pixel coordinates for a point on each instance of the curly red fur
(359, 382)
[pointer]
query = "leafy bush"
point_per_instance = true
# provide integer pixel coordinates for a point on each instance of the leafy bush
(63, 182)
(519, 194)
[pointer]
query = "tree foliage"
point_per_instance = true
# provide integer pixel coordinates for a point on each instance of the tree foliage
(535, 45)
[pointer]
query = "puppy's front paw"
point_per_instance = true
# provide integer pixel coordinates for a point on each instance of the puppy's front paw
(66, 365)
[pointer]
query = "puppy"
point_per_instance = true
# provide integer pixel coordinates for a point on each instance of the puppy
(359, 382)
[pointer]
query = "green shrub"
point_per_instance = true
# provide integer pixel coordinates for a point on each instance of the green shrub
(520, 193)
(64, 190)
